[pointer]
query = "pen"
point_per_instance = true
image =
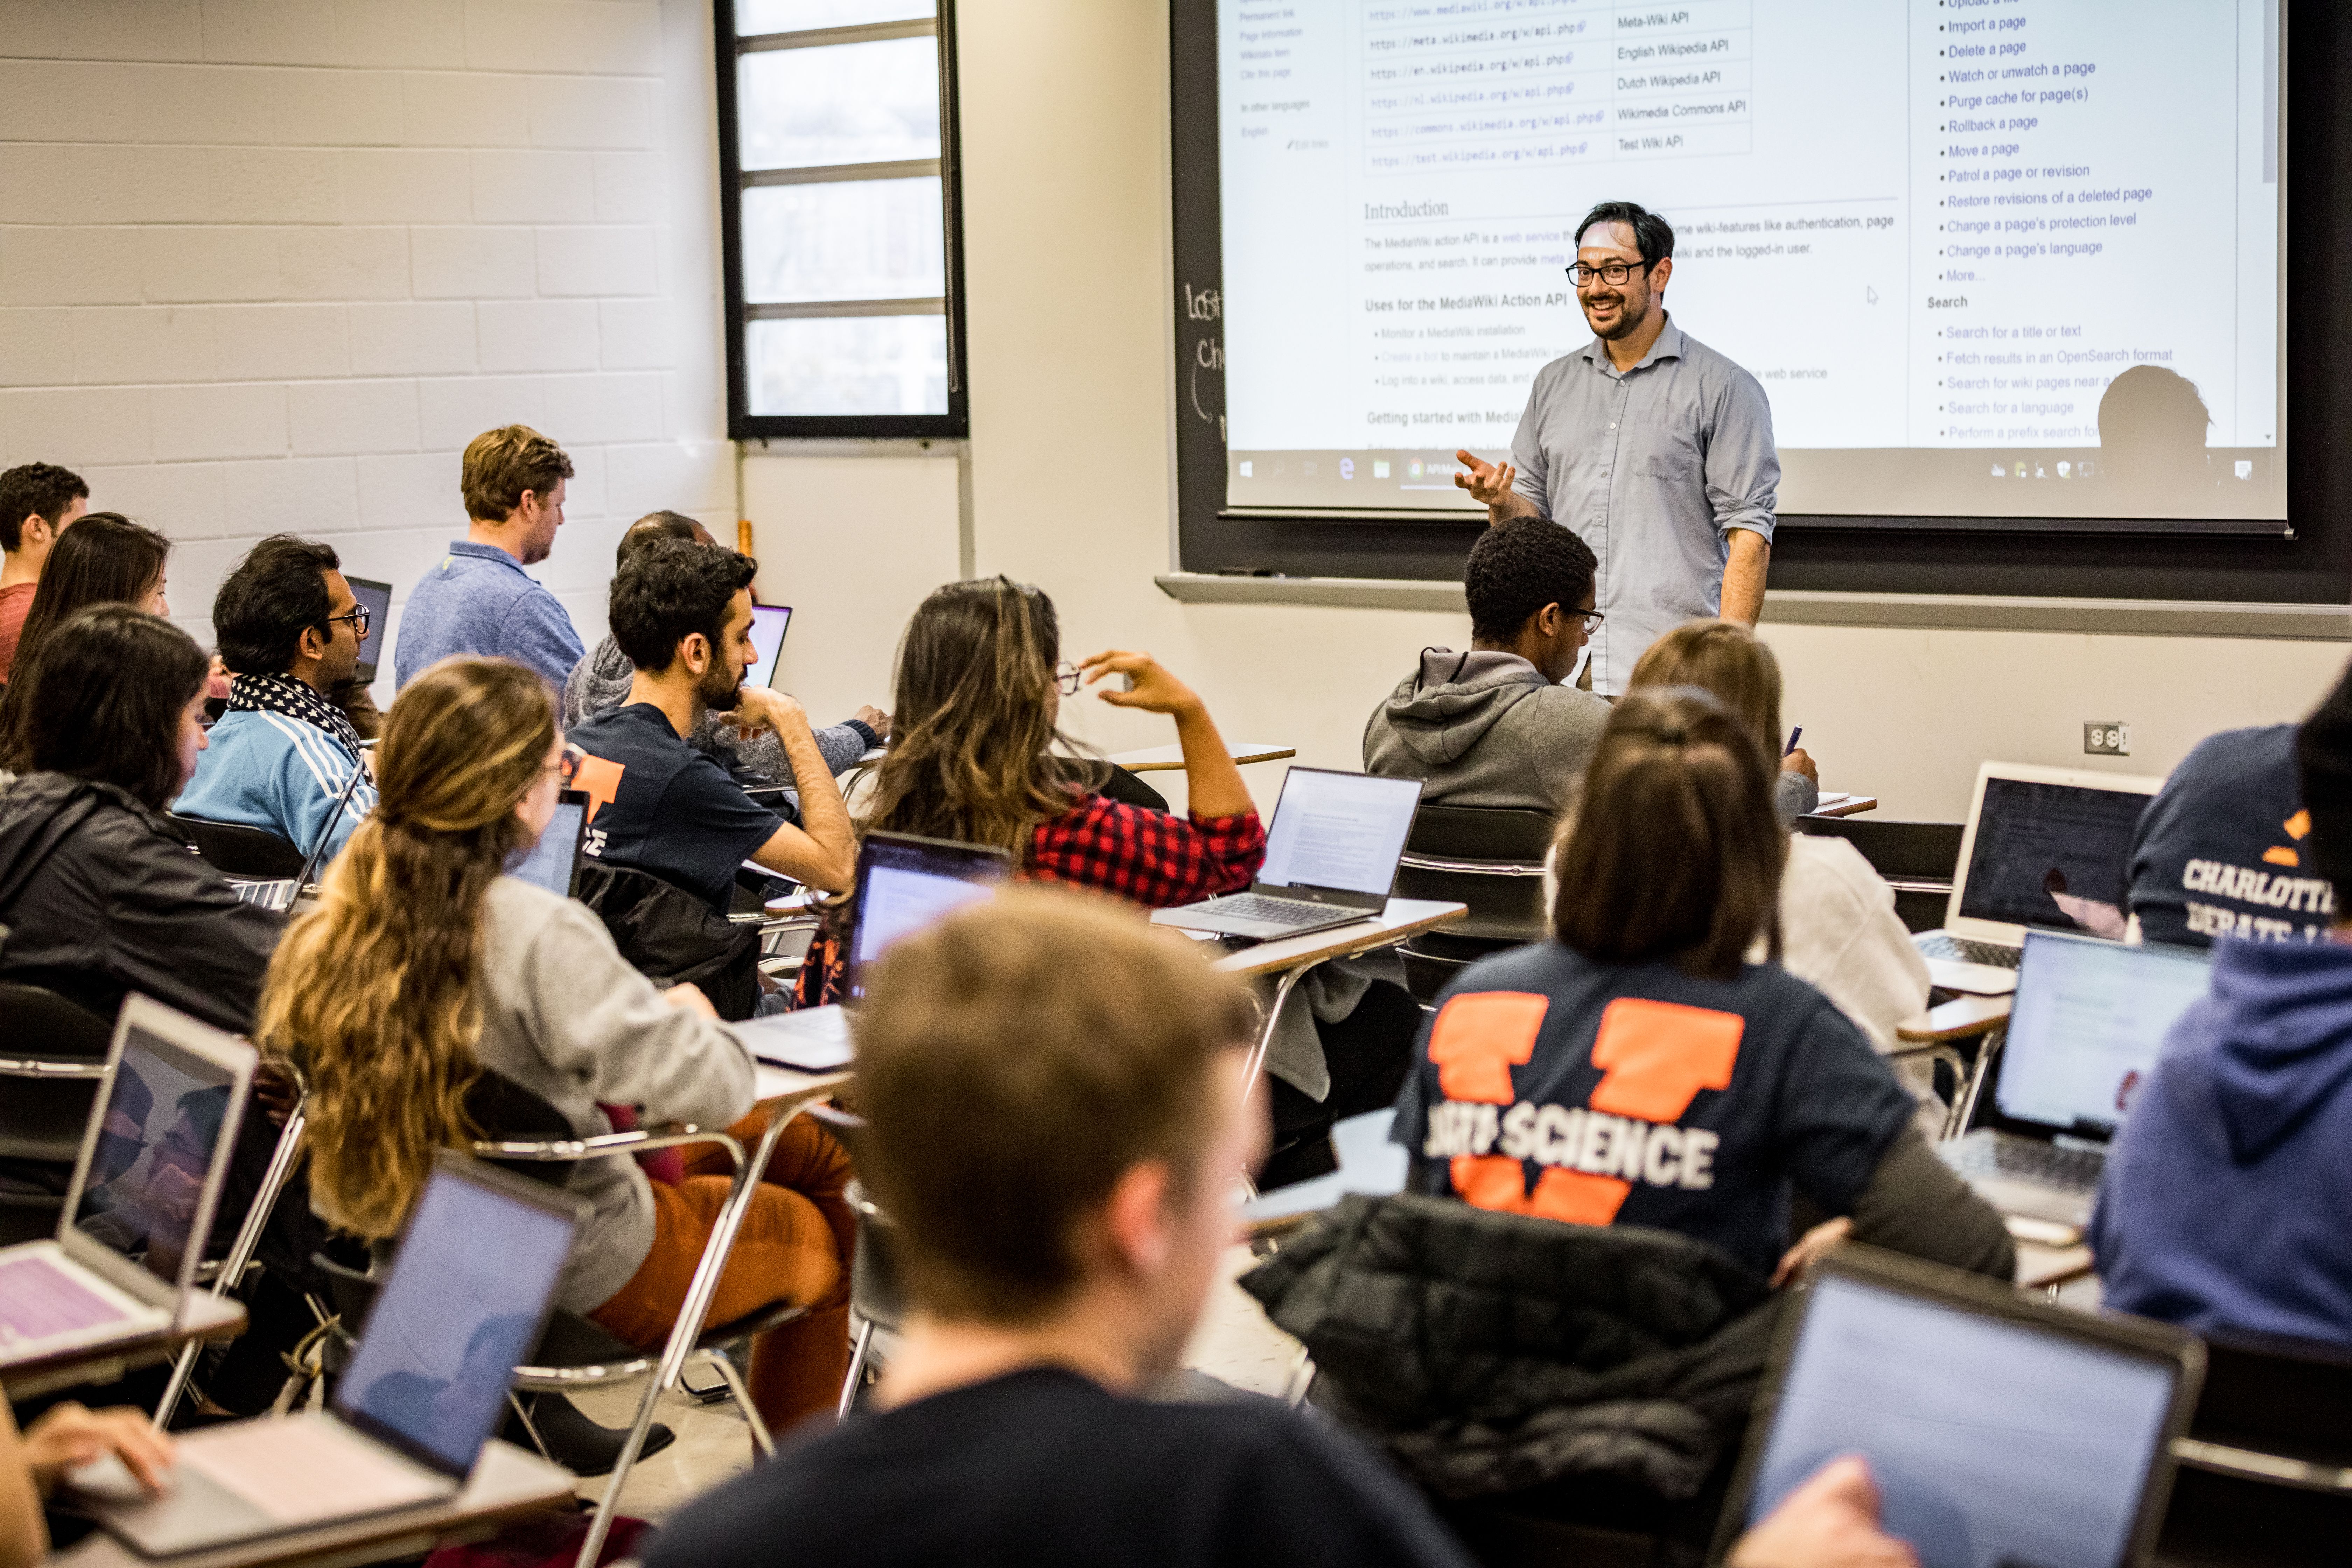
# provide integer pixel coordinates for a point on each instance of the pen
(1793, 734)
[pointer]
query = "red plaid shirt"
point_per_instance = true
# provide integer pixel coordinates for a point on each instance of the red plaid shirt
(1153, 857)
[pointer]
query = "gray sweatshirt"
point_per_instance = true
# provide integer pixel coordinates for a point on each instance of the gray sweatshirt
(601, 682)
(565, 1016)
(1484, 729)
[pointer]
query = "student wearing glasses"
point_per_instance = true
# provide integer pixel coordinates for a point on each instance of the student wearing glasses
(1656, 450)
(1494, 727)
(284, 756)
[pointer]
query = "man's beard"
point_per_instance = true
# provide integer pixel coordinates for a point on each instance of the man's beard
(721, 687)
(1627, 323)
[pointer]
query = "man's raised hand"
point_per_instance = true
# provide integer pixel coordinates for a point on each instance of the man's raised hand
(1488, 484)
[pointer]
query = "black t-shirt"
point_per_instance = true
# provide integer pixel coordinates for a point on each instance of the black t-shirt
(2224, 850)
(655, 805)
(1042, 1466)
(1600, 1094)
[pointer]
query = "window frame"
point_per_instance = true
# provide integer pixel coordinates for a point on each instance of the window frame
(743, 424)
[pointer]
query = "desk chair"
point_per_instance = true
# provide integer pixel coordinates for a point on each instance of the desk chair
(575, 1352)
(1919, 859)
(236, 850)
(1489, 857)
(54, 1056)
(2265, 1473)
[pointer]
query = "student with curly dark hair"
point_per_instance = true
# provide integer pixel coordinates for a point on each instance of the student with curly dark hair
(38, 501)
(1495, 727)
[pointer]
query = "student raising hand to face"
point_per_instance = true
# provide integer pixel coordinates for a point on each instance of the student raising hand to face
(1212, 783)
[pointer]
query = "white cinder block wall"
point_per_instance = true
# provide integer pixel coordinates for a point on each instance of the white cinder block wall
(269, 264)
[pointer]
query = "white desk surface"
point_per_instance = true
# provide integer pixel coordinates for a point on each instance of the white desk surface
(1400, 919)
(773, 1086)
(208, 1317)
(1835, 805)
(507, 1481)
(1167, 759)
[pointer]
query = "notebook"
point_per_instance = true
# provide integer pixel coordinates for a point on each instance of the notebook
(2000, 1430)
(145, 1185)
(904, 883)
(466, 1301)
(2044, 850)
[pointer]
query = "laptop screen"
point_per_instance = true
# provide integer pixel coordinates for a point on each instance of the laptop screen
(905, 883)
(2051, 855)
(1339, 830)
(551, 862)
(2087, 1022)
(463, 1306)
(164, 1115)
(376, 597)
(768, 625)
(1993, 1441)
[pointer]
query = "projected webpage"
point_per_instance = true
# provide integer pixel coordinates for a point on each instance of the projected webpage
(1988, 257)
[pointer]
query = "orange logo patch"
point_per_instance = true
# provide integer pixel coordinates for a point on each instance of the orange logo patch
(2280, 855)
(1478, 1039)
(600, 778)
(1657, 1055)
(2299, 824)
(1498, 1184)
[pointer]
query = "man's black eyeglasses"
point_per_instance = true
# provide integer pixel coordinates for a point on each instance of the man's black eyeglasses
(1609, 272)
(359, 619)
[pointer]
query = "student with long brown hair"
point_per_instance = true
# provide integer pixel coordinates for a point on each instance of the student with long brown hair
(1639, 1070)
(977, 755)
(1839, 931)
(104, 559)
(423, 968)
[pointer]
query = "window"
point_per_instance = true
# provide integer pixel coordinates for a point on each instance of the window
(837, 142)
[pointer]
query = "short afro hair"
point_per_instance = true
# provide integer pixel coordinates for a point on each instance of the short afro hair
(1518, 567)
(669, 590)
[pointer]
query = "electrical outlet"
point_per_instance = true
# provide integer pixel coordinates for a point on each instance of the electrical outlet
(2106, 737)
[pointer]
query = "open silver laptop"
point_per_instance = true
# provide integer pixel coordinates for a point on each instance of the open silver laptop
(2045, 848)
(1331, 855)
(1999, 1430)
(904, 883)
(464, 1302)
(145, 1185)
(2084, 1032)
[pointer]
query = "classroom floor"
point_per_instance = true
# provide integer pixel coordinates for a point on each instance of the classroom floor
(1235, 1344)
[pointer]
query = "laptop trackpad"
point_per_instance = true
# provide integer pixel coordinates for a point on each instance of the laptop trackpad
(197, 1511)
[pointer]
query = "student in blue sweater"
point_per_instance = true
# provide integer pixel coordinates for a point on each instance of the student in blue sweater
(477, 599)
(280, 758)
(2225, 1196)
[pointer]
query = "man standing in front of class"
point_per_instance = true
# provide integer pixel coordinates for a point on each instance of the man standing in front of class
(1654, 447)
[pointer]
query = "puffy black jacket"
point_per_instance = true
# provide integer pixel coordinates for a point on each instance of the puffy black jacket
(673, 938)
(98, 898)
(1492, 1353)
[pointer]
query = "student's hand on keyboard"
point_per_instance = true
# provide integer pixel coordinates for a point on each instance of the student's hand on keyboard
(68, 1436)
(1149, 687)
(874, 719)
(1831, 1521)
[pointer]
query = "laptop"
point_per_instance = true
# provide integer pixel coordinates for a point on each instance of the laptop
(2084, 1030)
(1331, 856)
(769, 624)
(376, 599)
(426, 1386)
(2045, 848)
(553, 862)
(145, 1185)
(904, 883)
(2000, 1430)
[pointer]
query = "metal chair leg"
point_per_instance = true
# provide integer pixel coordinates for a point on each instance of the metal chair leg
(530, 1427)
(240, 1253)
(762, 1438)
(860, 1349)
(1964, 1102)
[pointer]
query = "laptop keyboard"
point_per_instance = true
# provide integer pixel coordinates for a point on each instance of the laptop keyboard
(1274, 911)
(1958, 950)
(2028, 1159)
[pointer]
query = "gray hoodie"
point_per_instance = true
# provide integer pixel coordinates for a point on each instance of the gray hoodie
(1484, 729)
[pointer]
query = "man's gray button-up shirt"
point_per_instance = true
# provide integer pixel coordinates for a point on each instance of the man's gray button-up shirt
(1654, 467)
